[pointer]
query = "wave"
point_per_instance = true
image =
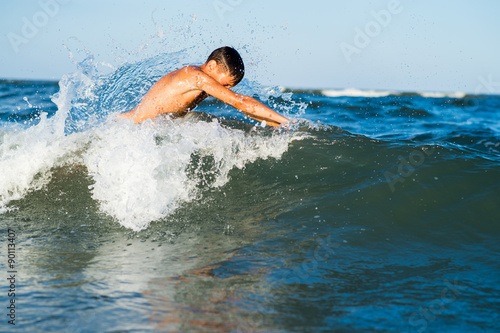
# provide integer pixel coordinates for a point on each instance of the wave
(139, 173)
(144, 173)
(356, 93)
(136, 175)
(457, 95)
(352, 92)
(381, 93)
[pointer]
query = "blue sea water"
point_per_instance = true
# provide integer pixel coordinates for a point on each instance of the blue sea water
(372, 213)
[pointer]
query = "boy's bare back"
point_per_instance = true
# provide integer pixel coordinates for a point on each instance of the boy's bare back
(182, 90)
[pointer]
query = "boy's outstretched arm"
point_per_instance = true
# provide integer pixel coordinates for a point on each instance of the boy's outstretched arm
(247, 105)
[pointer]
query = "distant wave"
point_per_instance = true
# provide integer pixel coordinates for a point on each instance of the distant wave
(352, 92)
(356, 93)
(443, 95)
(382, 93)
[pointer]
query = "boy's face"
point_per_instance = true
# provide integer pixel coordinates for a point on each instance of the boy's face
(224, 79)
(222, 76)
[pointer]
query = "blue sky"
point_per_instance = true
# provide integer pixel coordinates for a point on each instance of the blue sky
(424, 45)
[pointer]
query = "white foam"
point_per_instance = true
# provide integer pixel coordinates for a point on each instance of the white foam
(351, 92)
(457, 94)
(26, 158)
(28, 154)
(355, 93)
(141, 172)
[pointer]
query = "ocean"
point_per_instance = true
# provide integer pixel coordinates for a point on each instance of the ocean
(375, 211)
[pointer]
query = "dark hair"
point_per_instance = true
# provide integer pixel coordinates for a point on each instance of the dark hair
(230, 60)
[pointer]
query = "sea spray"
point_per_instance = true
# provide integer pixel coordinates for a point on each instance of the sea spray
(28, 155)
(142, 173)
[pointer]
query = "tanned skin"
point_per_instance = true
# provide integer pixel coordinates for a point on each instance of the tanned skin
(182, 90)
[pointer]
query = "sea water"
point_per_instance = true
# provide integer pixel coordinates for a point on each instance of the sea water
(374, 211)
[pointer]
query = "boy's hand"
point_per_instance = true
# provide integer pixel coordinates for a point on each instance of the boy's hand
(287, 124)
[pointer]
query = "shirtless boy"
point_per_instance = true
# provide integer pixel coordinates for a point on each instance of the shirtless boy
(182, 90)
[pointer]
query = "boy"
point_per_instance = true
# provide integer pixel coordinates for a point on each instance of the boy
(183, 89)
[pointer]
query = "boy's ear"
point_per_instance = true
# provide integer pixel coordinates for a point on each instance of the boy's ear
(212, 65)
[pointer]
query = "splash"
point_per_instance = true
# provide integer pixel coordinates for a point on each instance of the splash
(27, 155)
(144, 173)
(139, 173)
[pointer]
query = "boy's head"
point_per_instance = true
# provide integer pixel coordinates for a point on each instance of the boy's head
(229, 60)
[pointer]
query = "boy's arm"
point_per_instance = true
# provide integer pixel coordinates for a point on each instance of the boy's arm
(247, 105)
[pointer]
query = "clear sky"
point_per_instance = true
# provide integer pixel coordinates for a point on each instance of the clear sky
(424, 45)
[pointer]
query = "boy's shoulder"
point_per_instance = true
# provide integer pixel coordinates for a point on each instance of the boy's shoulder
(183, 74)
(190, 69)
(186, 72)
(190, 73)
